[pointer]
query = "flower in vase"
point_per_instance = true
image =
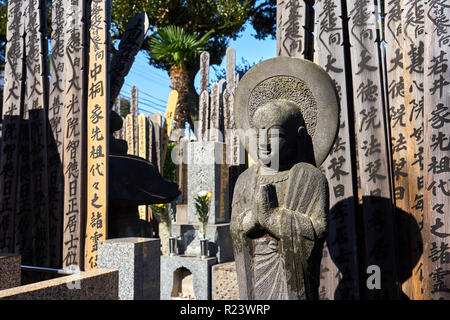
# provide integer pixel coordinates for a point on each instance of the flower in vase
(202, 202)
(165, 213)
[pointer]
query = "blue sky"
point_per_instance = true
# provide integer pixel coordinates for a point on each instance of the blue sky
(154, 84)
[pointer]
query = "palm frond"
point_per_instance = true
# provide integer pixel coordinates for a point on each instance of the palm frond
(172, 45)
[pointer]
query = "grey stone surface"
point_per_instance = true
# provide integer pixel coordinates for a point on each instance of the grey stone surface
(224, 282)
(203, 132)
(204, 111)
(207, 171)
(134, 110)
(138, 262)
(90, 285)
(199, 282)
(182, 214)
(9, 270)
(204, 71)
(164, 239)
(220, 244)
(280, 205)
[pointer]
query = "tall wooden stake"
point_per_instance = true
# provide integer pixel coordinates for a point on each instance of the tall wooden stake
(436, 154)
(74, 165)
(339, 277)
(14, 90)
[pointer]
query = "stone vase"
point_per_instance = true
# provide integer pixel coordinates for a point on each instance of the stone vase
(172, 244)
(204, 248)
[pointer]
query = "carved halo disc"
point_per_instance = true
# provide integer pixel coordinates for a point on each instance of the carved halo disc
(300, 81)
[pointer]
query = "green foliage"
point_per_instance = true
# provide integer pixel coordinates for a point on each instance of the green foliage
(165, 214)
(173, 46)
(225, 17)
(169, 170)
(196, 17)
(202, 202)
(124, 107)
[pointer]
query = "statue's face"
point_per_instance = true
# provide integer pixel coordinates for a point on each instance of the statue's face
(277, 134)
(274, 144)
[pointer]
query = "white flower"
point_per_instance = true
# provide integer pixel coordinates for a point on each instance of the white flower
(202, 193)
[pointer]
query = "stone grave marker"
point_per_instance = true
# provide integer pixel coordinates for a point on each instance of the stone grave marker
(134, 113)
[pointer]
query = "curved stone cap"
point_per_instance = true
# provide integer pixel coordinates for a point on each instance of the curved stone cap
(300, 81)
(135, 181)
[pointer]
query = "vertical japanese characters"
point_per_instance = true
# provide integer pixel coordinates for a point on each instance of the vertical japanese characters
(338, 278)
(56, 135)
(436, 154)
(35, 109)
(98, 131)
(74, 135)
(377, 213)
(134, 98)
(203, 116)
(294, 28)
(12, 111)
(142, 152)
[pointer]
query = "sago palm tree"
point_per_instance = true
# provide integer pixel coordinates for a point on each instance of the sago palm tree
(178, 50)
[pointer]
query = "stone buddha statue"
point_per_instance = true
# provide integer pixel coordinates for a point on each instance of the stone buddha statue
(280, 204)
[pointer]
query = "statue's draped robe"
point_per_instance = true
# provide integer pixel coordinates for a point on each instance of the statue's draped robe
(280, 258)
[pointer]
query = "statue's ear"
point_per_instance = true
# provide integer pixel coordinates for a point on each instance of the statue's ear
(301, 132)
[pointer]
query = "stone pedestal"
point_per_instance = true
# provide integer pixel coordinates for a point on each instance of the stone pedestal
(138, 262)
(164, 239)
(89, 285)
(184, 277)
(207, 171)
(9, 271)
(220, 244)
(224, 282)
(182, 214)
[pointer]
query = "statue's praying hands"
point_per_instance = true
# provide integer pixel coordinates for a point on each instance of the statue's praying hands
(279, 214)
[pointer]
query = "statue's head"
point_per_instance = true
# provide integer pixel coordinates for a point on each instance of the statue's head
(294, 104)
(280, 131)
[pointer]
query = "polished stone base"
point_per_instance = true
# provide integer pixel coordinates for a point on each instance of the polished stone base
(138, 262)
(184, 277)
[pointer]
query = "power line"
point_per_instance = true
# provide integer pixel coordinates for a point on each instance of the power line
(153, 76)
(148, 95)
(140, 102)
(165, 77)
(149, 110)
(150, 101)
(157, 82)
(145, 101)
